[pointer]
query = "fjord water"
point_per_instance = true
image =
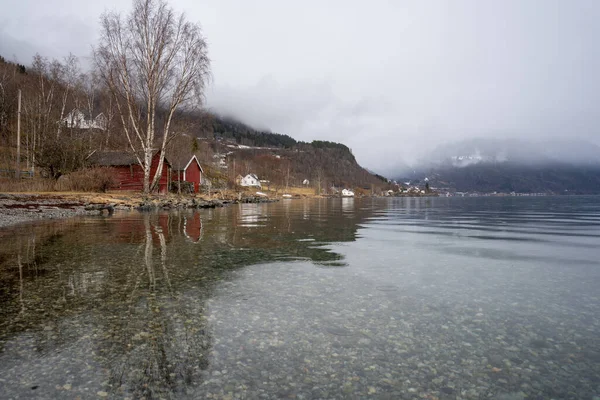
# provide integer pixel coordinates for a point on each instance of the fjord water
(335, 298)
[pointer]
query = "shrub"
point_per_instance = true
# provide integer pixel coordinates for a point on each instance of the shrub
(87, 180)
(186, 187)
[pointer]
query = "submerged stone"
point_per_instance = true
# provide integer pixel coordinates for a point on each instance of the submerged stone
(387, 288)
(339, 331)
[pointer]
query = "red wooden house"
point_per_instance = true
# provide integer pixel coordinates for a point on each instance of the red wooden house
(187, 169)
(127, 171)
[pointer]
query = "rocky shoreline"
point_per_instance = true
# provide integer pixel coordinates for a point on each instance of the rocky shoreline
(20, 208)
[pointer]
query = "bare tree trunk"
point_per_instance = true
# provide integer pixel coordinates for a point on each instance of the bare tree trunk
(147, 167)
(149, 248)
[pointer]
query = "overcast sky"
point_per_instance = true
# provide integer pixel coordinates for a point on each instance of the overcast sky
(387, 78)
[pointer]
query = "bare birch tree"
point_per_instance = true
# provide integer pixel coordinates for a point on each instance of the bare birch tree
(156, 64)
(67, 75)
(40, 107)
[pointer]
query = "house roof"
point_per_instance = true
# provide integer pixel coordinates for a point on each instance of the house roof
(84, 112)
(112, 158)
(181, 162)
(116, 158)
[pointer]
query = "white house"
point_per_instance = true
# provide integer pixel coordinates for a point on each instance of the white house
(347, 193)
(250, 180)
(78, 119)
(306, 182)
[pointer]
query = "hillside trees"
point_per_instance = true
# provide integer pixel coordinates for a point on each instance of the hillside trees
(229, 128)
(51, 144)
(5, 103)
(12, 78)
(155, 64)
(47, 96)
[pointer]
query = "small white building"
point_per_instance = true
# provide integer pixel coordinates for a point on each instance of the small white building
(347, 193)
(250, 180)
(306, 182)
(78, 119)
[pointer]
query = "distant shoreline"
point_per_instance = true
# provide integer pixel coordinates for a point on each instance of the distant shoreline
(21, 208)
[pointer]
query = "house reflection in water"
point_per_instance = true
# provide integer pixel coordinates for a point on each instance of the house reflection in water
(192, 227)
(347, 204)
(163, 226)
(133, 230)
(252, 215)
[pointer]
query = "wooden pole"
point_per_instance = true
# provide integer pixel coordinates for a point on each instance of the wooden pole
(287, 180)
(18, 169)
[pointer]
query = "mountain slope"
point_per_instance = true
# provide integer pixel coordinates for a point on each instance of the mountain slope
(239, 149)
(488, 165)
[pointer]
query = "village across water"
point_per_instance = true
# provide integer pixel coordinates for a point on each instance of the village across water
(442, 298)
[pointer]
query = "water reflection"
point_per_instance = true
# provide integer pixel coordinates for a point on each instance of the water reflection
(435, 298)
(155, 345)
(119, 305)
(348, 205)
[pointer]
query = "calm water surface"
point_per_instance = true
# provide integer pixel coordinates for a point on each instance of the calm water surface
(469, 298)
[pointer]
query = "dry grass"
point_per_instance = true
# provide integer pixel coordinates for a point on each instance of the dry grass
(302, 191)
(294, 191)
(87, 180)
(27, 185)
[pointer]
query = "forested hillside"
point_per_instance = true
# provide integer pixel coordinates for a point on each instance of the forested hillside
(52, 145)
(230, 129)
(235, 149)
(323, 167)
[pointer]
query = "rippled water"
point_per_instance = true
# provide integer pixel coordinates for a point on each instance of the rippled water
(468, 298)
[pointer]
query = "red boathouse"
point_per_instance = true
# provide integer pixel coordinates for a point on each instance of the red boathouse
(187, 169)
(127, 171)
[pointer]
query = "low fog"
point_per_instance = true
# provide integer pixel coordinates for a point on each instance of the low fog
(540, 152)
(391, 80)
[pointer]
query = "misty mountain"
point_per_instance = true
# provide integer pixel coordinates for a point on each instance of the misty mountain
(492, 165)
(515, 151)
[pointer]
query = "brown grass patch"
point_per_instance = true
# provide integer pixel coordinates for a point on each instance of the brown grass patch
(87, 180)
(27, 185)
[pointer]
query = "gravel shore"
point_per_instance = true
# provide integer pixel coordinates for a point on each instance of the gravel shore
(21, 208)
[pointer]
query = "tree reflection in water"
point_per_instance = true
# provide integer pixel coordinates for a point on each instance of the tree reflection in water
(167, 342)
(120, 304)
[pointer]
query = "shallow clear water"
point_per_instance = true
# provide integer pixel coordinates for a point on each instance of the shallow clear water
(344, 298)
